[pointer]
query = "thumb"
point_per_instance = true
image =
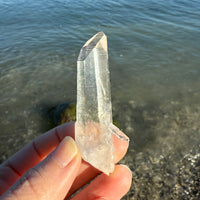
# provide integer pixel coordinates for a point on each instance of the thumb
(50, 179)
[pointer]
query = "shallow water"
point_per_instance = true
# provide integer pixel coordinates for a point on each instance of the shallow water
(154, 63)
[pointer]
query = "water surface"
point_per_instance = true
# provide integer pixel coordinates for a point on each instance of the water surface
(153, 56)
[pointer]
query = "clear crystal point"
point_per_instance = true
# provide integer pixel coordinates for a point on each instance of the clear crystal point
(93, 132)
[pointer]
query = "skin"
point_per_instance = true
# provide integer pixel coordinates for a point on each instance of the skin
(50, 167)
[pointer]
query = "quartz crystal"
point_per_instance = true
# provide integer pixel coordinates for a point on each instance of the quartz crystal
(93, 128)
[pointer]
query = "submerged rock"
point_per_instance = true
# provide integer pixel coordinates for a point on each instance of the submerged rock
(164, 152)
(62, 113)
(66, 112)
(187, 185)
(161, 178)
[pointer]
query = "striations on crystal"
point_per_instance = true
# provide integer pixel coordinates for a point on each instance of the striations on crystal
(93, 128)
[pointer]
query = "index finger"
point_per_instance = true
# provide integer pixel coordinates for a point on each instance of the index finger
(38, 149)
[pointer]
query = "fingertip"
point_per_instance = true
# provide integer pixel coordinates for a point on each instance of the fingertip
(126, 179)
(121, 143)
(111, 187)
(124, 168)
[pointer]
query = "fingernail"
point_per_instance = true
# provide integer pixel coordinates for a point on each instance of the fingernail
(127, 168)
(116, 131)
(65, 152)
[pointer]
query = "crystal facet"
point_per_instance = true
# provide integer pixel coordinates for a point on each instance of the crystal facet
(93, 129)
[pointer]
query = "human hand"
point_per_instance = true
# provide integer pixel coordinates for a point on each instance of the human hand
(50, 167)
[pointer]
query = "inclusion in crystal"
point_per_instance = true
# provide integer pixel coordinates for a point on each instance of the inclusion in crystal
(93, 128)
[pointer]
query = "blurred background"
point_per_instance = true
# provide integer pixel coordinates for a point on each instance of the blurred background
(155, 79)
